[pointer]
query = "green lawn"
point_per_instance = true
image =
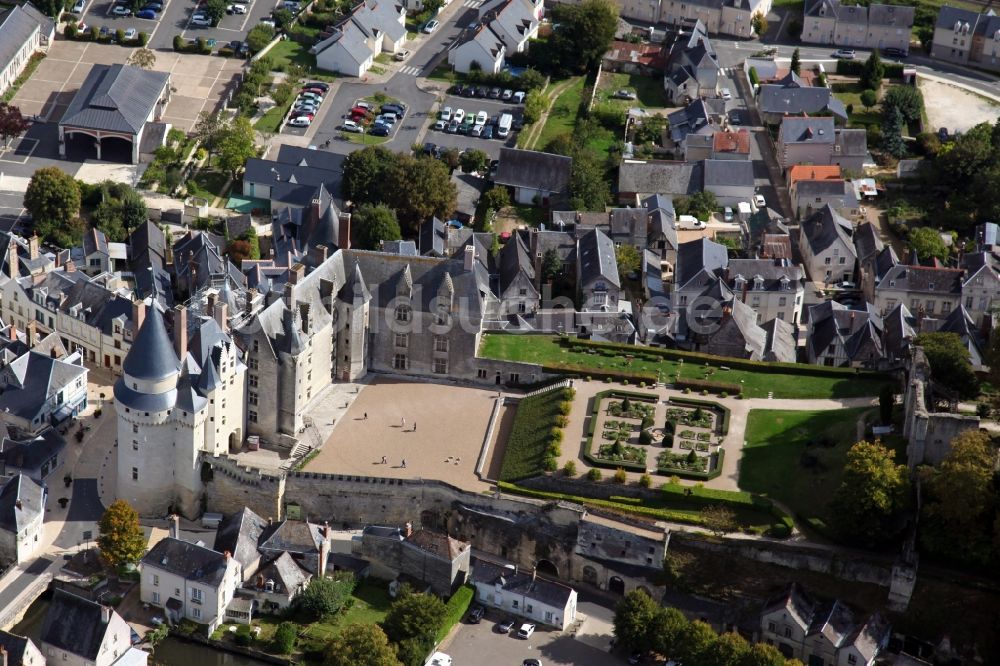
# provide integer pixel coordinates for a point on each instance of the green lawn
(533, 216)
(546, 351)
(289, 51)
(648, 90)
(209, 183)
(271, 120)
(563, 114)
(798, 457)
(371, 602)
(850, 93)
(444, 72)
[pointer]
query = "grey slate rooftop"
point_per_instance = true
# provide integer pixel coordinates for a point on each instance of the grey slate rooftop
(521, 582)
(533, 170)
(188, 560)
(115, 97)
(21, 501)
(596, 255)
(74, 624)
(158, 359)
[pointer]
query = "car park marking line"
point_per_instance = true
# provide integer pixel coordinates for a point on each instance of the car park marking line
(16, 150)
(159, 20)
(52, 105)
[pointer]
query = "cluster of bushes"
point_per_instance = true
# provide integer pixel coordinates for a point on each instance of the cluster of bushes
(535, 441)
(165, 169)
(530, 79)
(721, 425)
(892, 70)
(199, 46)
(709, 385)
(595, 461)
(93, 34)
(682, 465)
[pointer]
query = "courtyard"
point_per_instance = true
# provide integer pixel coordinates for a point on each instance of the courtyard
(438, 429)
(197, 83)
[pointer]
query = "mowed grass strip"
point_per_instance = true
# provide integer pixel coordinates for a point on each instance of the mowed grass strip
(529, 436)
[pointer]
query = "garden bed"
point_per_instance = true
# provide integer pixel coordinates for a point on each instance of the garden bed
(531, 434)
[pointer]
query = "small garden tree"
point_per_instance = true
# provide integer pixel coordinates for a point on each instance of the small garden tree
(121, 538)
(325, 596)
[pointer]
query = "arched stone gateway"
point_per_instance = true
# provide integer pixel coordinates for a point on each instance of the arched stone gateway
(547, 568)
(590, 575)
(616, 585)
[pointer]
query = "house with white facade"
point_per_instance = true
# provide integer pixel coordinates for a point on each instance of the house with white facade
(827, 247)
(80, 632)
(524, 593)
(772, 287)
(981, 287)
(535, 178)
(39, 390)
(22, 510)
(597, 272)
(20, 650)
(874, 26)
(692, 69)
(189, 581)
(480, 47)
(373, 27)
(24, 31)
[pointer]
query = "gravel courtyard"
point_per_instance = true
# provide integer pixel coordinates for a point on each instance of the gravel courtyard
(954, 108)
(443, 433)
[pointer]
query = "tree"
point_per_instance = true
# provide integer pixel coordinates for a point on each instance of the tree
(133, 210)
(927, 243)
(796, 64)
(583, 34)
(259, 37)
(284, 637)
(873, 72)
(666, 629)
(886, 400)
(282, 92)
(237, 250)
(53, 199)
(142, 58)
(475, 161)
(908, 99)
(719, 519)
(374, 223)
(759, 24)
(873, 493)
(650, 130)
(961, 500)
(215, 10)
(361, 645)
(892, 132)
(693, 643)
(588, 188)
(634, 619)
(251, 237)
(283, 17)
(700, 204)
(364, 174)
(535, 105)
(414, 616)
(418, 189)
(107, 216)
(762, 654)
(869, 98)
(950, 364)
(121, 538)
(12, 123)
(628, 260)
(325, 596)
(209, 131)
(452, 157)
(729, 649)
(236, 145)
(496, 198)
(551, 265)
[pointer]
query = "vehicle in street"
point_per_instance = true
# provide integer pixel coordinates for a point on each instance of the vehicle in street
(894, 52)
(430, 27)
(531, 662)
(844, 54)
(401, 55)
(130, 34)
(300, 121)
(526, 630)
(624, 94)
(505, 626)
(758, 201)
(121, 10)
(519, 97)
(236, 9)
(727, 93)
(439, 659)
(476, 614)
(147, 14)
(155, 6)
(503, 125)
(79, 6)
(351, 126)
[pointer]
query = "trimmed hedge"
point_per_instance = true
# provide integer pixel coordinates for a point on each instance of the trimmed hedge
(593, 460)
(581, 371)
(691, 402)
(689, 474)
(531, 434)
(455, 609)
(709, 385)
(893, 70)
(720, 361)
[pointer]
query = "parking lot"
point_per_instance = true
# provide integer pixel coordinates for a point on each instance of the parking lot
(474, 105)
(98, 13)
(482, 645)
(232, 26)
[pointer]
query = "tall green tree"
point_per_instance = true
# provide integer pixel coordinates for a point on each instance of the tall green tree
(634, 620)
(237, 145)
(412, 623)
(950, 363)
(796, 64)
(869, 98)
(373, 224)
(364, 174)
(551, 265)
(892, 132)
(927, 243)
(762, 654)
(583, 34)
(588, 187)
(121, 538)
(361, 645)
(666, 629)
(53, 199)
(908, 99)
(873, 71)
(209, 130)
(134, 211)
(474, 160)
(325, 596)
(259, 37)
(694, 643)
(759, 24)
(628, 260)
(729, 649)
(873, 493)
(418, 189)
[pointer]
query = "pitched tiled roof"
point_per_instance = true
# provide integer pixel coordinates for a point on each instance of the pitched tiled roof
(74, 624)
(800, 172)
(732, 142)
(824, 227)
(188, 560)
(533, 170)
(596, 254)
(669, 178)
(437, 543)
(924, 279)
(115, 97)
(795, 129)
(17, 28)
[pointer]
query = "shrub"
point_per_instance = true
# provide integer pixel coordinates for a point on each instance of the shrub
(645, 480)
(120, 36)
(647, 422)
(243, 640)
(568, 394)
(569, 469)
(531, 435)
(645, 437)
(284, 637)
(553, 450)
(565, 407)
(71, 31)
(780, 531)
(555, 435)
(754, 78)
(594, 474)
(550, 464)
(178, 42)
(142, 38)
(620, 476)
(705, 385)
(562, 421)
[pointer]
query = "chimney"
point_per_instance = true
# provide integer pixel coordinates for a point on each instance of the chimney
(470, 257)
(17, 503)
(318, 254)
(13, 261)
(70, 266)
(13, 332)
(344, 235)
(409, 529)
(221, 314)
(138, 315)
(227, 555)
(32, 334)
(33, 247)
(175, 526)
(210, 298)
(296, 273)
(326, 530)
(248, 306)
(59, 258)
(314, 212)
(324, 555)
(180, 331)
(289, 295)
(105, 614)
(304, 317)
(3, 656)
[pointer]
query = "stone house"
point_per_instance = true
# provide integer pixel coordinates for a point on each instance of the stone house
(516, 289)
(20, 650)
(791, 97)
(276, 584)
(35, 457)
(692, 69)
(22, 509)
(189, 581)
(239, 534)
(964, 36)
(827, 248)
(980, 287)
(727, 17)
(816, 141)
(925, 290)
(876, 26)
(597, 272)
(838, 336)
(524, 594)
(773, 288)
(80, 632)
(46, 391)
(433, 558)
(535, 178)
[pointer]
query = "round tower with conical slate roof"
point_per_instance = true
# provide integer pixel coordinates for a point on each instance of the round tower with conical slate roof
(145, 397)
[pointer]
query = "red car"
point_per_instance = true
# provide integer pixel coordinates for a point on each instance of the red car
(360, 111)
(314, 90)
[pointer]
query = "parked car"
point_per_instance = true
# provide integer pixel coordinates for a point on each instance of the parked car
(734, 118)
(477, 130)
(458, 90)
(236, 9)
(445, 114)
(726, 93)
(470, 91)
(380, 130)
(306, 106)
(507, 94)
(430, 27)
(468, 124)
(482, 91)
(351, 126)
(452, 128)
(758, 201)
(505, 626)
(495, 93)
(398, 109)
(488, 132)
(300, 121)
(531, 662)
(458, 116)
(430, 149)
(121, 10)
(267, 20)
(401, 55)
(624, 94)
(79, 6)
(200, 19)
(326, 87)
(130, 34)
(893, 52)
(439, 125)
(155, 6)
(147, 14)
(476, 614)
(386, 119)
(481, 118)
(519, 97)
(82, 27)
(844, 54)
(312, 95)
(526, 630)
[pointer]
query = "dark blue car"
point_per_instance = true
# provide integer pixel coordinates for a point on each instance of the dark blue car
(146, 14)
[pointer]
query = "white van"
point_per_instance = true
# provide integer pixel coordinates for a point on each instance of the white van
(689, 222)
(503, 125)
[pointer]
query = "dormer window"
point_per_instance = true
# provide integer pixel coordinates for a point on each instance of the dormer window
(403, 313)
(758, 283)
(930, 286)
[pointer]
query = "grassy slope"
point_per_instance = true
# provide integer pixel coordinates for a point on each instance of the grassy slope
(545, 350)
(529, 436)
(563, 114)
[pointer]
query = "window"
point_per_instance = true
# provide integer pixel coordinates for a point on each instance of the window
(252, 380)
(481, 373)
(513, 603)
(156, 579)
(527, 608)
(852, 659)
(788, 632)
(196, 613)
(252, 397)
(403, 313)
(684, 300)
(135, 445)
(914, 303)
(440, 343)
(252, 363)
(135, 428)
(440, 366)
(402, 340)
(399, 362)
(930, 306)
(827, 261)
(771, 627)
(135, 473)
(252, 415)
(843, 260)
(156, 597)
(196, 595)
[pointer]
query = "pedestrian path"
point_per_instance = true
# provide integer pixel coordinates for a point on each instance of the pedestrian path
(474, 4)
(410, 70)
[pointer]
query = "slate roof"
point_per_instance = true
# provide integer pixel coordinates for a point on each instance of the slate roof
(295, 536)
(924, 279)
(867, 242)
(518, 582)
(95, 305)
(533, 170)
(73, 624)
(770, 271)
(35, 378)
(486, 38)
(514, 260)
(852, 142)
(285, 572)
(94, 240)
(824, 227)
(728, 173)
(294, 182)
(949, 16)
(22, 500)
(807, 130)
(29, 454)
(785, 100)
(116, 98)
(152, 355)
(795, 601)
(19, 24)
(667, 178)
(15, 646)
(689, 119)
(437, 543)
(780, 346)
(433, 236)
(699, 255)
(596, 255)
(187, 560)
(899, 16)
